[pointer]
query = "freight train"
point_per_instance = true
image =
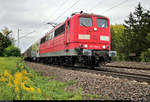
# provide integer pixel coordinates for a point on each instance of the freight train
(83, 39)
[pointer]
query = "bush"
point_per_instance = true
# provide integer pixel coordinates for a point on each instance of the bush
(11, 51)
(145, 56)
(119, 57)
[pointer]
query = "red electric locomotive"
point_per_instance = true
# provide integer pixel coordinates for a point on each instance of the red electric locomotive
(82, 39)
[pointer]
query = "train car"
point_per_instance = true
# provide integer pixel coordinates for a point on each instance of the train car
(83, 39)
(32, 53)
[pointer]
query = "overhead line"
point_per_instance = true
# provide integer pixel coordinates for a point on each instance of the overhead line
(95, 5)
(26, 35)
(66, 10)
(116, 19)
(119, 18)
(115, 6)
(63, 3)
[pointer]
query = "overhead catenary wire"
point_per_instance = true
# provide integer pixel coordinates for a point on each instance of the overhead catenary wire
(119, 18)
(114, 6)
(107, 10)
(122, 17)
(61, 5)
(66, 10)
(93, 7)
(27, 35)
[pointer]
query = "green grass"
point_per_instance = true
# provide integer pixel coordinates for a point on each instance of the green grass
(50, 89)
(8, 63)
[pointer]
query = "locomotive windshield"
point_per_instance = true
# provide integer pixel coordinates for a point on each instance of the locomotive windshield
(103, 23)
(85, 21)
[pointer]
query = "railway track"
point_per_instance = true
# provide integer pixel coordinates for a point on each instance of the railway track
(126, 67)
(131, 76)
(103, 71)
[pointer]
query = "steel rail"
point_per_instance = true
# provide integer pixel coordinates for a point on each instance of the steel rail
(97, 70)
(137, 68)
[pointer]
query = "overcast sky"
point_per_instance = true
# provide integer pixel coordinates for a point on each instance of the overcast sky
(31, 16)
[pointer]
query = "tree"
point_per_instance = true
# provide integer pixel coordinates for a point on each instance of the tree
(6, 31)
(116, 37)
(137, 29)
(5, 40)
(4, 43)
(12, 51)
(117, 41)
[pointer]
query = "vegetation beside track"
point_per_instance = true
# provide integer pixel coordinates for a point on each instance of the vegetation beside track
(19, 82)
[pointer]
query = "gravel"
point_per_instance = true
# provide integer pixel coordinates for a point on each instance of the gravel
(107, 87)
(143, 72)
(131, 64)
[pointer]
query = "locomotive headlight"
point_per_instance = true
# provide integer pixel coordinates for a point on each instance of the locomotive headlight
(103, 46)
(81, 46)
(95, 29)
(107, 47)
(85, 45)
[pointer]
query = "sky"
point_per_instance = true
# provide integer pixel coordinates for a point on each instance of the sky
(31, 16)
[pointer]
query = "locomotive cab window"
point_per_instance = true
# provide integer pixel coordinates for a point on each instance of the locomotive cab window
(103, 23)
(60, 30)
(43, 40)
(85, 21)
(68, 24)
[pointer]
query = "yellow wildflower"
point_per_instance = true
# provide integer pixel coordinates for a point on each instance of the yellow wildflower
(2, 79)
(6, 73)
(16, 82)
(30, 74)
(39, 90)
(9, 83)
(31, 89)
(25, 82)
(22, 67)
(25, 78)
(9, 76)
(18, 76)
(16, 89)
(23, 86)
(24, 72)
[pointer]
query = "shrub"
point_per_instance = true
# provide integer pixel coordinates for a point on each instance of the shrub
(119, 57)
(145, 56)
(11, 51)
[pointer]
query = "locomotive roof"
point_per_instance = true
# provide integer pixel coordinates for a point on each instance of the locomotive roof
(89, 14)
